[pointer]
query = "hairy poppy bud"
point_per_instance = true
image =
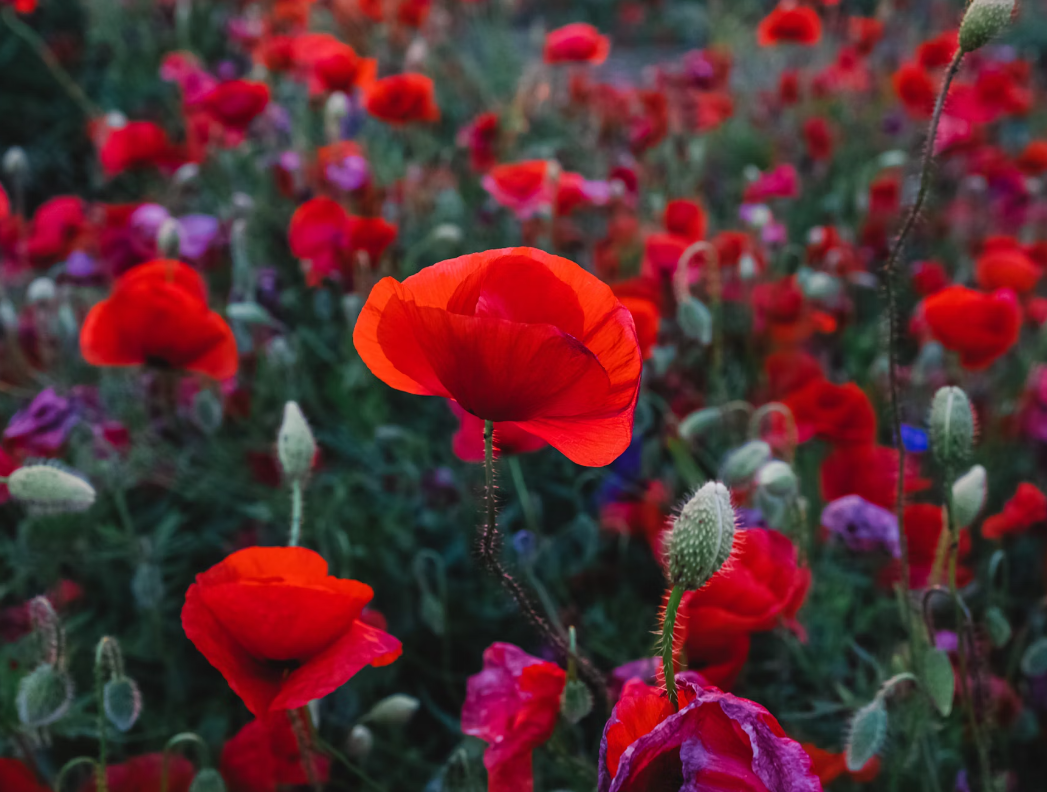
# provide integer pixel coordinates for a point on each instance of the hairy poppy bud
(41, 290)
(939, 680)
(16, 163)
(697, 422)
(777, 479)
(702, 537)
(44, 696)
(695, 320)
(952, 426)
(984, 21)
(359, 743)
(1034, 660)
(208, 780)
(122, 701)
(394, 710)
(968, 496)
(742, 463)
(576, 701)
(336, 110)
(49, 489)
(295, 445)
(868, 732)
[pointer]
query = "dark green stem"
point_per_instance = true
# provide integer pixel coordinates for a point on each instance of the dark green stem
(101, 775)
(668, 626)
(296, 513)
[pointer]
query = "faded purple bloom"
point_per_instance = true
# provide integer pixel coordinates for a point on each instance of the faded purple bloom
(774, 233)
(351, 173)
(42, 428)
(861, 525)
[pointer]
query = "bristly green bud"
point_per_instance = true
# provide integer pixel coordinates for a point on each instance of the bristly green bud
(44, 696)
(15, 163)
(952, 427)
(742, 463)
(939, 680)
(50, 489)
(699, 421)
(868, 732)
(208, 780)
(702, 537)
(777, 479)
(123, 702)
(984, 21)
(695, 320)
(576, 701)
(359, 742)
(968, 496)
(394, 710)
(295, 445)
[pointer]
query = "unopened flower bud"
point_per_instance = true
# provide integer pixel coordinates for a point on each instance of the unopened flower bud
(123, 702)
(41, 290)
(576, 701)
(702, 537)
(968, 496)
(208, 780)
(699, 421)
(939, 680)
(359, 743)
(742, 463)
(867, 735)
(16, 163)
(448, 233)
(952, 427)
(207, 411)
(984, 21)
(115, 119)
(1034, 660)
(168, 239)
(295, 445)
(186, 174)
(695, 320)
(336, 110)
(394, 710)
(49, 489)
(777, 479)
(44, 696)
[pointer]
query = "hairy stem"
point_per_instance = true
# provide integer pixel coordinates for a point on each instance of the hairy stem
(296, 513)
(668, 662)
(300, 725)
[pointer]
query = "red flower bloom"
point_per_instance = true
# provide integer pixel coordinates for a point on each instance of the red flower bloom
(468, 442)
(789, 370)
(328, 239)
(685, 219)
(645, 312)
(145, 774)
(980, 327)
(236, 103)
(837, 413)
(924, 523)
(1027, 508)
(157, 313)
(1032, 160)
(937, 52)
(789, 23)
(819, 139)
(481, 136)
(715, 741)
(513, 706)
(16, 777)
(264, 757)
(576, 43)
(332, 65)
(661, 254)
(512, 335)
(916, 89)
(1006, 267)
(135, 145)
(781, 312)
(829, 766)
(5, 204)
(280, 629)
(864, 33)
(760, 586)
(523, 187)
(929, 277)
(402, 99)
(57, 226)
(870, 471)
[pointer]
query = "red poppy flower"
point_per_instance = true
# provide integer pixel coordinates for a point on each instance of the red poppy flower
(924, 523)
(402, 99)
(135, 145)
(929, 277)
(781, 312)
(661, 254)
(789, 23)
(868, 470)
(1033, 159)
(157, 314)
(685, 219)
(864, 33)
(885, 194)
(782, 181)
(468, 442)
(523, 187)
(644, 515)
(837, 413)
(789, 87)
(264, 757)
(280, 629)
(829, 766)
(788, 371)
(145, 774)
(576, 43)
(512, 705)
(512, 335)
(760, 586)
(332, 65)
(327, 239)
(1027, 508)
(819, 139)
(5, 204)
(236, 103)
(1006, 267)
(980, 327)
(645, 312)
(938, 51)
(916, 89)
(16, 777)
(715, 741)
(56, 228)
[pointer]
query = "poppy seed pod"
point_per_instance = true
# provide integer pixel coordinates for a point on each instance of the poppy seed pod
(776, 478)
(394, 710)
(295, 444)
(742, 463)
(359, 742)
(49, 489)
(868, 732)
(44, 696)
(208, 780)
(952, 426)
(576, 702)
(968, 496)
(702, 537)
(984, 21)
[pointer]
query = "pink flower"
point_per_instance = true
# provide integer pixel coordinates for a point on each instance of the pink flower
(780, 182)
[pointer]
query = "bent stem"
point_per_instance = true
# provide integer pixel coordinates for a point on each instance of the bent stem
(668, 627)
(203, 755)
(296, 513)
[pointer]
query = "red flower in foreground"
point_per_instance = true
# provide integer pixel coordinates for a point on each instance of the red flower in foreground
(980, 327)
(715, 742)
(1027, 508)
(402, 99)
(829, 766)
(16, 777)
(135, 145)
(512, 335)
(513, 706)
(264, 756)
(145, 774)
(157, 314)
(468, 442)
(280, 629)
(789, 24)
(576, 43)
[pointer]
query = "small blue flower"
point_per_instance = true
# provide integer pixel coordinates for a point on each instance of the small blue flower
(914, 440)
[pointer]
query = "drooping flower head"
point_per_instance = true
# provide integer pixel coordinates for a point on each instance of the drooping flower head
(512, 335)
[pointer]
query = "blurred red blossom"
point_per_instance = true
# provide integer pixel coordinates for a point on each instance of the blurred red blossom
(1026, 508)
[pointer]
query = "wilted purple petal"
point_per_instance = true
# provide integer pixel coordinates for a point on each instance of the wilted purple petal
(861, 525)
(196, 233)
(348, 174)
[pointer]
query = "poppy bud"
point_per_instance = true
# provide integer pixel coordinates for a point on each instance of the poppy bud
(336, 110)
(207, 411)
(868, 732)
(968, 496)
(44, 696)
(1034, 661)
(147, 586)
(122, 701)
(352, 304)
(776, 478)
(695, 320)
(998, 627)
(168, 239)
(984, 21)
(448, 233)
(16, 163)
(939, 680)
(186, 174)
(8, 315)
(41, 290)
(697, 422)
(394, 710)
(576, 701)
(952, 426)
(742, 463)
(49, 489)
(207, 780)
(295, 445)
(702, 537)
(359, 742)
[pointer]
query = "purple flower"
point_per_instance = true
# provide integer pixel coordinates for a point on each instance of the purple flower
(41, 429)
(348, 174)
(861, 525)
(196, 232)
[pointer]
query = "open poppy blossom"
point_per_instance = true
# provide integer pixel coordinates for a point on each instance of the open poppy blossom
(468, 442)
(137, 144)
(157, 314)
(15, 776)
(868, 470)
(1026, 508)
(523, 187)
(980, 327)
(331, 65)
(789, 23)
(328, 240)
(1006, 267)
(512, 335)
(837, 413)
(685, 218)
(236, 103)
(715, 741)
(512, 705)
(264, 757)
(280, 629)
(924, 524)
(57, 226)
(145, 774)
(402, 99)
(818, 137)
(916, 89)
(1033, 159)
(936, 53)
(576, 43)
